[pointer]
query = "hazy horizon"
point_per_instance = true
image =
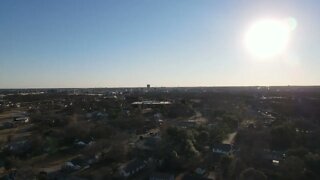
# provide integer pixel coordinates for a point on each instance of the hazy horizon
(114, 87)
(92, 44)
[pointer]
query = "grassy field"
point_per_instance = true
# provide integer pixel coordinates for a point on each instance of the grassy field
(44, 162)
(15, 133)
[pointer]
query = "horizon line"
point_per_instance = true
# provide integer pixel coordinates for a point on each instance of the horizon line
(124, 87)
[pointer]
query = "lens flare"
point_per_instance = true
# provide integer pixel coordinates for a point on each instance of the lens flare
(269, 37)
(292, 23)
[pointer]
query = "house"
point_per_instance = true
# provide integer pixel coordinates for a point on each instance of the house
(96, 115)
(69, 167)
(83, 143)
(220, 148)
(21, 119)
(78, 163)
(187, 123)
(157, 116)
(193, 177)
(7, 125)
(132, 168)
(274, 157)
(200, 171)
(161, 176)
(152, 142)
(58, 175)
(10, 175)
(147, 143)
(19, 148)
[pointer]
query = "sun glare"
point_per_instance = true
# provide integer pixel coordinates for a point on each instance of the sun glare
(269, 37)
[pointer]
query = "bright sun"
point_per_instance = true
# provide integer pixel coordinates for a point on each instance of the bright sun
(269, 37)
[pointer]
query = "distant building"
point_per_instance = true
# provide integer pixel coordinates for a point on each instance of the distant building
(148, 86)
(151, 103)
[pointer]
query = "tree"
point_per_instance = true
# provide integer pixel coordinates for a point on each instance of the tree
(181, 142)
(313, 162)
(252, 174)
(179, 110)
(235, 168)
(8, 163)
(282, 137)
(203, 138)
(299, 152)
(217, 133)
(292, 168)
(172, 161)
(224, 164)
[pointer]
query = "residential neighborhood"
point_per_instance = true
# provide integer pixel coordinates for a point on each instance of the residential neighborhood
(195, 133)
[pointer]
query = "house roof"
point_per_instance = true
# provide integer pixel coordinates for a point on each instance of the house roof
(151, 102)
(223, 147)
(19, 147)
(152, 141)
(193, 177)
(158, 175)
(133, 165)
(273, 155)
(81, 161)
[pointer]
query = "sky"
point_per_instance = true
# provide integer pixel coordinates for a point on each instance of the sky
(132, 43)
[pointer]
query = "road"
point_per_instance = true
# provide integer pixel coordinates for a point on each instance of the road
(230, 138)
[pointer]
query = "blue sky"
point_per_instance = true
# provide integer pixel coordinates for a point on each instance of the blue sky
(112, 43)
